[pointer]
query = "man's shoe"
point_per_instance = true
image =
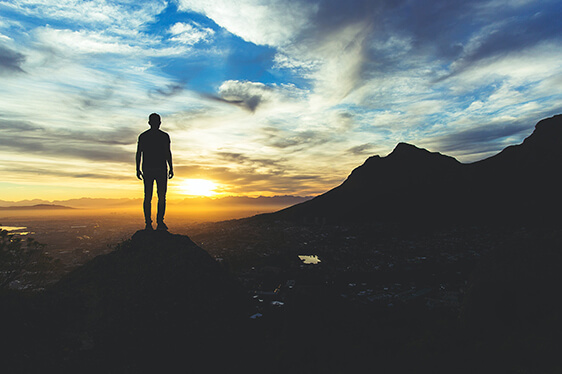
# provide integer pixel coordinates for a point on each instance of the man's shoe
(162, 226)
(148, 227)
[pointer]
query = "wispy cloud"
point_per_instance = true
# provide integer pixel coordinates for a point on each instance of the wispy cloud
(250, 95)
(93, 13)
(50, 172)
(363, 149)
(269, 22)
(171, 89)
(10, 61)
(186, 33)
(246, 94)
(481, 139)
(16, 126)
(75, 150)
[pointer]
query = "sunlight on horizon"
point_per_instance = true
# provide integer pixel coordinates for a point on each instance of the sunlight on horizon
(198, 187)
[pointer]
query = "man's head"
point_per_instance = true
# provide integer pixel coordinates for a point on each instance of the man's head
(154, 120)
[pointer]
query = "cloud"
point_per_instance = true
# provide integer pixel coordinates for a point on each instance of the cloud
(246, 94)
(15, 126)
(171, 89)
(60, 147)
(54, 170)
(484, 139)
(97, 13)
(186, 33)
(363, 149)
(28, 139)
(251, 95)
(508, 38)
(283, 139)
(122, 135)
(263, 22)
(10, 61)
(70, 43)
(285, 61)
(250, 162)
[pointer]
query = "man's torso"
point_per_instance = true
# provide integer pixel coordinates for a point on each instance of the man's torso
(155, 148)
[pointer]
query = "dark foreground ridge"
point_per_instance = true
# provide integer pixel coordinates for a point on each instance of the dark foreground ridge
(158, 302)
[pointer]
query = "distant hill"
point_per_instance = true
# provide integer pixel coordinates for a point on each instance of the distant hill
(96, 203)
(37, 207)
(521, 183)
(5, 203)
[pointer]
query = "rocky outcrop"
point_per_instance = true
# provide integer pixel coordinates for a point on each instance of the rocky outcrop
(158, 303)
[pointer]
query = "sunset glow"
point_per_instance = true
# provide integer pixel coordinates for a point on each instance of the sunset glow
(198, 187)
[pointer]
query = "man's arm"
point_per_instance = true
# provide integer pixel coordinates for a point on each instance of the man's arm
(169, 161)
(138, 160)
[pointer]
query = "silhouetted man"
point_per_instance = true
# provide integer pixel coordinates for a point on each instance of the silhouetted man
(153, 148)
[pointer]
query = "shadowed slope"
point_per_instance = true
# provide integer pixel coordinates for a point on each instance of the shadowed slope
(523, 181)
(401, 186)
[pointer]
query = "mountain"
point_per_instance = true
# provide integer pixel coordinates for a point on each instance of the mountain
(96, 203)
(158, 303)
(5, 203)
(413, 185)
(36, 207)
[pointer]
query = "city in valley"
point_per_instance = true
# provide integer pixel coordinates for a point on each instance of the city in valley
(372, 264)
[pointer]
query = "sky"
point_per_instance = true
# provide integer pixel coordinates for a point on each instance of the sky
(263, 97)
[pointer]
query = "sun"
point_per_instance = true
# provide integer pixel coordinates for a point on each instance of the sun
(198, 187)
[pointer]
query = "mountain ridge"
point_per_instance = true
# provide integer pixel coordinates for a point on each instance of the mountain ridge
(89, 202)
(36, 206)
(415, 185)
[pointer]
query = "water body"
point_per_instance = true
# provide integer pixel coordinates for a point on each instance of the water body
(15, 230)
(310, 259)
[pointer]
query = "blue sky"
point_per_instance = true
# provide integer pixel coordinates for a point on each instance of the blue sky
(264, 97)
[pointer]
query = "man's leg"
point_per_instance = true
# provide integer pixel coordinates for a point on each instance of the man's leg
(162, 187)
(148, 188)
